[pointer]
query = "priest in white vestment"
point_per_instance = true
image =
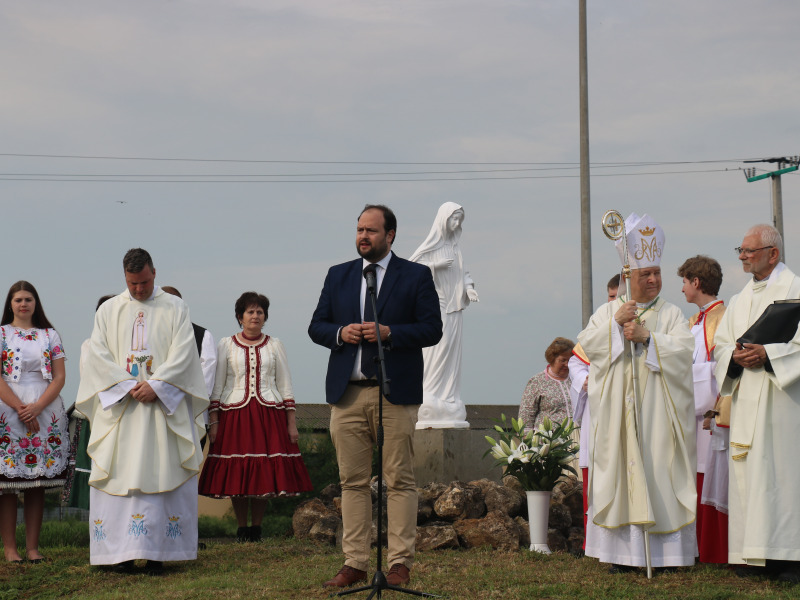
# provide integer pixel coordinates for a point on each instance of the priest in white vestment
(142, 389)
(764, 511)
(653, 489)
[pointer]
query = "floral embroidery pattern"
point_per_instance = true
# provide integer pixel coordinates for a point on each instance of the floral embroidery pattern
(11, 358)
(5, 442)
(46, 361)
(137, 526)
(27, 357)
(31, 455)
(174, 527)
(98, 535)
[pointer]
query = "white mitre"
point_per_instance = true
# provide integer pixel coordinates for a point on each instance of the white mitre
(645, 242)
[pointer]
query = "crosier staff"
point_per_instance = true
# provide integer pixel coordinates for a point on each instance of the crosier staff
(614, 229)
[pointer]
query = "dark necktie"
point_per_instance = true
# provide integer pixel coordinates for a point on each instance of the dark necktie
(369, 351)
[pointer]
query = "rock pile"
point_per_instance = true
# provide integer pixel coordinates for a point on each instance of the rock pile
(459, 515)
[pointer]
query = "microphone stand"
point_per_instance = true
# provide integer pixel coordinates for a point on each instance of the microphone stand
(379, 582)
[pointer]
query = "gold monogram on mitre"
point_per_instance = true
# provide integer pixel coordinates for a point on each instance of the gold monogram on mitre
(648, 251)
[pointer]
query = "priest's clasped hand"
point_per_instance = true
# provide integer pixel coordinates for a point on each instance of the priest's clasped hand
(143, 393)
(749, 356)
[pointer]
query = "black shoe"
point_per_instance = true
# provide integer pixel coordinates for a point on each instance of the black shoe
(787, 571)
(154, 567)
(254, 533)
(616, 569)
(243, 534)
(122, 568)
(37, 561)
(748, 572)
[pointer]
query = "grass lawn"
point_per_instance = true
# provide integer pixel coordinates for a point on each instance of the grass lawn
(284, 568)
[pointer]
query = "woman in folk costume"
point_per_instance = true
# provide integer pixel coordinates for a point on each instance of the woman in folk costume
(34, 446)
(702, 278)
(252, 430)
(651, 487)
(442, 377)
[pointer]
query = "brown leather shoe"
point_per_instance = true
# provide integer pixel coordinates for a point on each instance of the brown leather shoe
(346, 577)
(398, 574)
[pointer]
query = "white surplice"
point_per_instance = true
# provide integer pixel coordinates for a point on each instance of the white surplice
(705, 385)
(578, 372)
(764, 487)
(145, 457)
(654, 489)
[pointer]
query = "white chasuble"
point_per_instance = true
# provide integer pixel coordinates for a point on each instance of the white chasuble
(143, 455)
(655, 488)
(764, 513)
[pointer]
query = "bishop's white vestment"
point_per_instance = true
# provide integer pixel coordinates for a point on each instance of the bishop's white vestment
(145, 457)
(764, 512)
(653, 489)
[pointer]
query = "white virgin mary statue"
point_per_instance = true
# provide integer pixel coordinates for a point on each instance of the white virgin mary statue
(442, 407)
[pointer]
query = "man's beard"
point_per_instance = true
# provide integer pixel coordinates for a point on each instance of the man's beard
(372, 253)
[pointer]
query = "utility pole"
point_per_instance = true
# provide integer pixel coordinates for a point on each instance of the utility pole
(586, 213)
(785, 165)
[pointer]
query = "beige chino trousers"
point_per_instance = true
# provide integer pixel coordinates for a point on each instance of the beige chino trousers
(354, 431)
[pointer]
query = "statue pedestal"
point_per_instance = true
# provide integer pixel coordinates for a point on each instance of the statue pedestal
(447, 455)
(442, 425)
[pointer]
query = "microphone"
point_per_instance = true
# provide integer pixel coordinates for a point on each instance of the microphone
(369, 275)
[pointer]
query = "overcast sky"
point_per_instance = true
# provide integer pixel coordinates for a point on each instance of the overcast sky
(296, 113)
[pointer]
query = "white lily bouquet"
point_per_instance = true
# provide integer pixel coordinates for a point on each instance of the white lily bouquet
(538, 458)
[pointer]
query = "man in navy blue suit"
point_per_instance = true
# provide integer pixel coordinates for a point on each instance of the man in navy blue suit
(410, 319)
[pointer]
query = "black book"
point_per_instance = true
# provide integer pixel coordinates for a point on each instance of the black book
(776, 325)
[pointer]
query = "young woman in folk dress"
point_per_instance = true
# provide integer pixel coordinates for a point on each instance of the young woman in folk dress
(252, 430)
(34, 445)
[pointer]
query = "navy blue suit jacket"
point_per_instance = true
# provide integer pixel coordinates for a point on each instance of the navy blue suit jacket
(407, 303)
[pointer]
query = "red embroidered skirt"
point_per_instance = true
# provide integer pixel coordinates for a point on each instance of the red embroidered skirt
(252, 456)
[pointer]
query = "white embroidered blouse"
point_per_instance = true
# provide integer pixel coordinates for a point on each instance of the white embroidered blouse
(245, 373)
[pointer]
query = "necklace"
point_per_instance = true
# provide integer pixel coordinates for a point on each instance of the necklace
(553, 375)
(250, 339)
(648, 307)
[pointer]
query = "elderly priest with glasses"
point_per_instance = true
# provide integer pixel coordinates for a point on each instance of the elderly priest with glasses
(758, 362)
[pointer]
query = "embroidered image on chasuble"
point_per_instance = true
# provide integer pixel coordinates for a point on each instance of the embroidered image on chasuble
(145, 455)
(124, 425)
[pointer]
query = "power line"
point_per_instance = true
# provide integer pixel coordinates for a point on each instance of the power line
(346, 174)
(347, 162)
(91, 179)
